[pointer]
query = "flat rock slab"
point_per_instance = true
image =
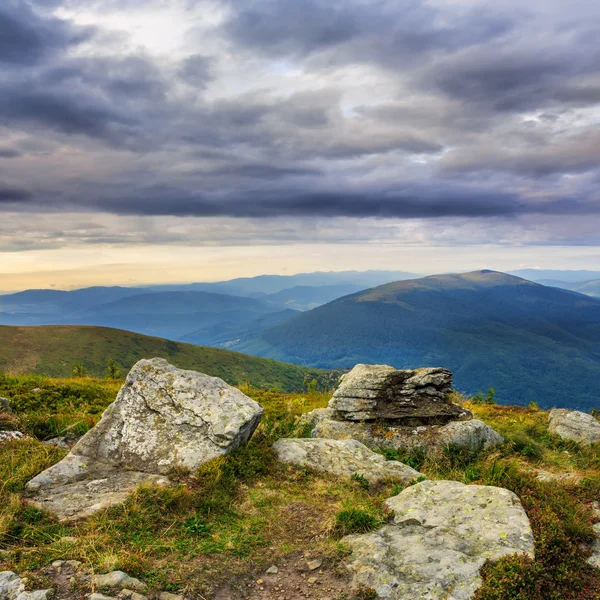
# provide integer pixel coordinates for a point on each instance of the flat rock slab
(441, 535)
(344, 458)
(163, 418)
(9, 436)
(77, 487)
(370, 392)
(574, 425)
(472, 434)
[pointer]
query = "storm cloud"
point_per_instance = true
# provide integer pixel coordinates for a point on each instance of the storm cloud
(483, 112)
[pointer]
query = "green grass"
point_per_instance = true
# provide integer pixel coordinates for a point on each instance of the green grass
(244, 512)
(53, 351)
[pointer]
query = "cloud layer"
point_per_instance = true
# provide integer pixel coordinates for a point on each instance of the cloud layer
(452, 114)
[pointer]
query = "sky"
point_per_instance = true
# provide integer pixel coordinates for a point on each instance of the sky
(147, 141)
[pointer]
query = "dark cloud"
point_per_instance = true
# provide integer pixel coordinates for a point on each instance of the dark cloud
(26, 38)
(9, 194)
(9, 153)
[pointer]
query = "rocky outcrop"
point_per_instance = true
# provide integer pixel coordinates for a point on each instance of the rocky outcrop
(380, 435)
(419, 397)
(163, 418)
(12, 587)
(574, 425)
(441, 535)
(388, 409)
(344, 458)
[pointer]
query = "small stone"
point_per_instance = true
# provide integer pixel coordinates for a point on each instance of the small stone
(67, 539)
(259, 581)
(169, 596)
(57, 564)
(313, 565)
(131, 595)
(97, 596)
(273, 570)
(312, 580)
(118, 579)
(5, 405)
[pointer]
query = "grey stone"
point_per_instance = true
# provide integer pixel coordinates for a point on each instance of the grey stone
(131, 595)
(574, 425)
(342, 457)
(5, 405)
(594, 559)
(12, 587)
(273, 570)
(473, 433)
(9, 436)
(97, 596)
(441, 535)
(66, 441)
(169, 596)
(118, 579)
(163, 418)
(415, 397)
(313, 565)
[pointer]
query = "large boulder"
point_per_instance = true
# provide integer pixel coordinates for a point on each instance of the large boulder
(163, 418)
(574, 425)
(441, 535)
(342, 457)
(12, 587)
(320, 423)
(415, 397)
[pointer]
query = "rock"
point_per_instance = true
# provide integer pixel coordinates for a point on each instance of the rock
(163, 418)
(169, 596)
(313, 565)
(342, 457)
(415, 397)
(97, 596)
(5, 405)
(12, 587)
(574, 425)
(474, 433)
(67, 539)
(9, 436)
(118, 579)
(546, 477)
(131, 595)
(66, 441)
(594, 559)
(441, 534)
(272, 570)
(312, 580)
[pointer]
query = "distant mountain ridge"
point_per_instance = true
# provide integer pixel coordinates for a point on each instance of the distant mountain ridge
(205, 313)
(528, 341)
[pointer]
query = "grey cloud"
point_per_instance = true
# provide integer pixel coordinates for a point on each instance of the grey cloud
(9, 153)
(10, 194)
(26, 38)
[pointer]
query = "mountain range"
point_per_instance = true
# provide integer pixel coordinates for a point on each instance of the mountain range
(526, 340)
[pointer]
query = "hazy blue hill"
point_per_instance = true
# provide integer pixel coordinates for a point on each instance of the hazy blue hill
(305, 297)
(271, 284)
(172, 314)
(589, 288)
(493, 330)
(541, 275)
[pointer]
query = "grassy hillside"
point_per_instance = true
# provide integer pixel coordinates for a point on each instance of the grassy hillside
(53, 350)
(528, 341)
(215, 533)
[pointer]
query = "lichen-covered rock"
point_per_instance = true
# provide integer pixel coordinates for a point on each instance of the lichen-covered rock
(441, 535)
(415, 397)
(118, 579)
(163, 418)
(473, 433)
(342, 457)
(12, 587)
(574, 425)
(9, 436)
